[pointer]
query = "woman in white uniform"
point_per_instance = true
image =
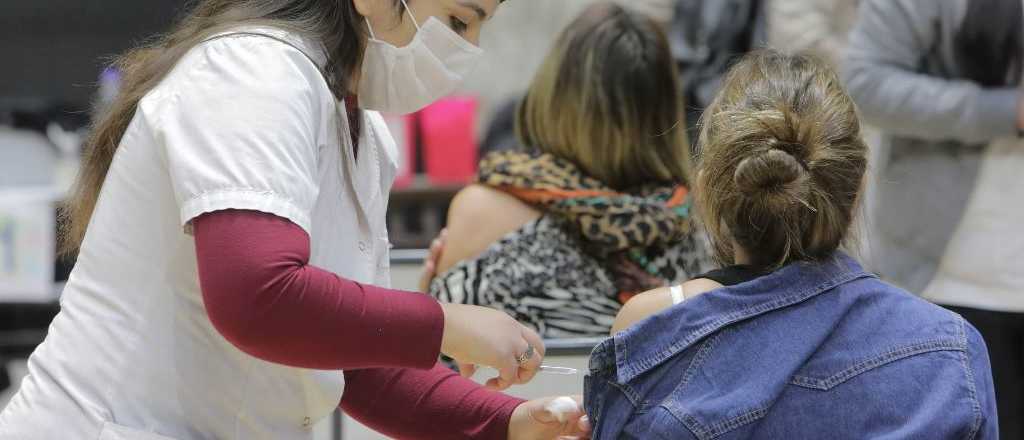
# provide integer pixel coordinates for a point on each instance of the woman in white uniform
(230, 222)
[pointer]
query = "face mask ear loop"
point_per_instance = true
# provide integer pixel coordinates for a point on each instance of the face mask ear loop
(373, 36)
(408, 10)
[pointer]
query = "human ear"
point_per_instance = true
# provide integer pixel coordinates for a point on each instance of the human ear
(365, 8)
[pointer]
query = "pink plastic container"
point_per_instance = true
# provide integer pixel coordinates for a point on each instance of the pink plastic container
(448, 130)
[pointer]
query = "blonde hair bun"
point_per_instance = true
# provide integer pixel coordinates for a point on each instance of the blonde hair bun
(782, 161)
(771, 172)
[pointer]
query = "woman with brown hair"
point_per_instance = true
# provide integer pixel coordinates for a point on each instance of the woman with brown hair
(792, 338)
(595, 208)
(230, 222)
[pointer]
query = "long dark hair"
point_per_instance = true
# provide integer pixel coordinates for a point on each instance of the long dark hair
(990, 41)
(335, 23)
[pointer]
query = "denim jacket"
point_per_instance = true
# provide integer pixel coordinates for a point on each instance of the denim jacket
(813, 350)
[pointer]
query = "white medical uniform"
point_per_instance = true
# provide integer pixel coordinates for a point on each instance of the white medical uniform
(245, 121)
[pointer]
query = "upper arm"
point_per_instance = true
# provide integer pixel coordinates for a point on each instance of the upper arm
(881, 71)
(243, 259)
(641, 307)
(652, 302)
(478, 217)
(237, 123)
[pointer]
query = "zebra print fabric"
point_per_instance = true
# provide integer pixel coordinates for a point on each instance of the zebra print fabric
(541, 275)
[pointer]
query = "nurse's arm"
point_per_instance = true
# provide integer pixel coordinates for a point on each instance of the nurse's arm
(435, 404)
(264, 297)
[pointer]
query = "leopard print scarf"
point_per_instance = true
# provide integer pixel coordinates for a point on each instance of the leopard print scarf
(619, 227)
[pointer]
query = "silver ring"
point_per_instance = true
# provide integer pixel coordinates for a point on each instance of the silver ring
(526, 356)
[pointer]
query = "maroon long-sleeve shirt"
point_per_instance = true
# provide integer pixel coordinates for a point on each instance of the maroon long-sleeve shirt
(264, 297)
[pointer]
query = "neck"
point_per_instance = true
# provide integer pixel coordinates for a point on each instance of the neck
(740, 256)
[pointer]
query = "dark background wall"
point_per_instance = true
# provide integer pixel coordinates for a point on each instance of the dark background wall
(53, 50)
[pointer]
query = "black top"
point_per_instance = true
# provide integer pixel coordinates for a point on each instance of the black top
(733, 275)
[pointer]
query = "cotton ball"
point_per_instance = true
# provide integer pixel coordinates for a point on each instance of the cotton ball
(562, 408)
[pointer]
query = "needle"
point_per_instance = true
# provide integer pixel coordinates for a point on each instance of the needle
(561, 371)
(565, 371)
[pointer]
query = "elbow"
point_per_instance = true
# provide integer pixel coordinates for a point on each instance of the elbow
(241, 282)
(241, 309)
(231, 318)
(236, 308)
(863, 83)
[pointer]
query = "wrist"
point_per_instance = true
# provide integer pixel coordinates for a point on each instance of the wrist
(518, 420)
(447, 330)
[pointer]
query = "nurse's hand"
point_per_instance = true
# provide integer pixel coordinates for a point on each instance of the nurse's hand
(476, 335)
(550, 418)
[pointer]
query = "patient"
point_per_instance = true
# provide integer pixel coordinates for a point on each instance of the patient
(792, 339)
(595, 208)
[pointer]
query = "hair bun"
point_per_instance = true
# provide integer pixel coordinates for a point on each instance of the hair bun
(771, 171)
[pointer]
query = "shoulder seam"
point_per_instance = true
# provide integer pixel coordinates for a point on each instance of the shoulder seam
(975, 404)
(257, 35)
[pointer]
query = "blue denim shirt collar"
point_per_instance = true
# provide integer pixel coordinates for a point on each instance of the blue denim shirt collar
(647, 344)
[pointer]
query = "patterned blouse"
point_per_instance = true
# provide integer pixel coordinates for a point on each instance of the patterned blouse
(543, 276)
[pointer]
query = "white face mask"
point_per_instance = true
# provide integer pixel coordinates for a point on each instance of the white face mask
(404, 80)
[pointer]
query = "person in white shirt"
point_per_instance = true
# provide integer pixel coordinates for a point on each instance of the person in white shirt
(233, 259)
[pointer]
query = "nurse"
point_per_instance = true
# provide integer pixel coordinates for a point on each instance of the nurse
(230, 221)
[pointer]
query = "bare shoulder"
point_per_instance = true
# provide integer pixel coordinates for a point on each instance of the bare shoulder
(479, 216)
(481, 202)
(652, 302)
(699, 286)
(640, 307)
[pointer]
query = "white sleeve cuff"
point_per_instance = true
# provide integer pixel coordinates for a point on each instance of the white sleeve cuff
(243, 199)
